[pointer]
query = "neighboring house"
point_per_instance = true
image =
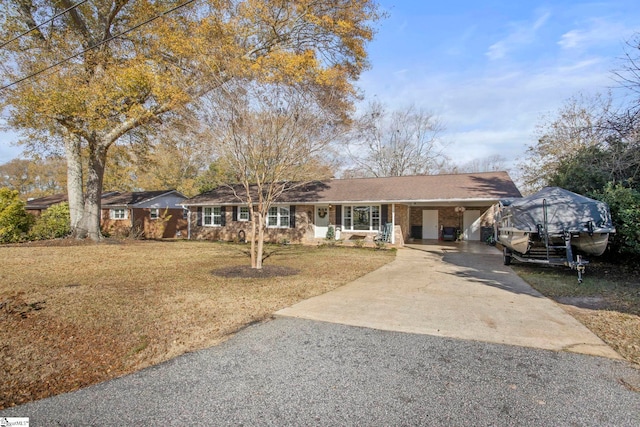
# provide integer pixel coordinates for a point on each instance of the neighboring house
(415, 207)
(36, 206)
(150, 214)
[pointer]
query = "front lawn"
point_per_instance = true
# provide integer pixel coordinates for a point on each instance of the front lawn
(607, 302)
(75, 314)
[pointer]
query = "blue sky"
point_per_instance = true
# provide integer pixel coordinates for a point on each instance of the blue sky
(489, 69)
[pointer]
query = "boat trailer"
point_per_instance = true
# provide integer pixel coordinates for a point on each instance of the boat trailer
(544, 255)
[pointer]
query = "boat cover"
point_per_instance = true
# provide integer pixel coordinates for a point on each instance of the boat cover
(565, 211)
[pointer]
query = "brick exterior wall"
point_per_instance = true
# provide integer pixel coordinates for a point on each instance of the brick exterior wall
(234, 230)
(170, 224)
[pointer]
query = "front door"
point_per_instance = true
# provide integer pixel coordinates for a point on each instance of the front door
(430, 224)
(322, 221)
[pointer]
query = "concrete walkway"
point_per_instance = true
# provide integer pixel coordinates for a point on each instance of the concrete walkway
(459, 290)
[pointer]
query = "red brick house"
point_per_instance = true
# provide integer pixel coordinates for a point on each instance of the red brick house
(414, 207)
(150, 214)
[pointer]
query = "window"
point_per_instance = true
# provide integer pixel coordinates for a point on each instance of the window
(243, 213)
(185, 213)
(363, 218)
(154, 213)
(212, 216)
(118, 213)
(278, 217)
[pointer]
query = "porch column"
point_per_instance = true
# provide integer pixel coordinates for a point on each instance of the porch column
(188, 223)
(393, 223)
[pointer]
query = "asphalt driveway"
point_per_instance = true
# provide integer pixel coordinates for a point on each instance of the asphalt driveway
(457, 290)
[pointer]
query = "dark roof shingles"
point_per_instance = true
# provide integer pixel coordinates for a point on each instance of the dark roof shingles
(483, 186)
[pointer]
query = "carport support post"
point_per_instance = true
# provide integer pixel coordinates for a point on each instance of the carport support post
(393, 223)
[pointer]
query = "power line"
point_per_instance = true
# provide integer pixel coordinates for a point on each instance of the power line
(43, 23)
(135, 27)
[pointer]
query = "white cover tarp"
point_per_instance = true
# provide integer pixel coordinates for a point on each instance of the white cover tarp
(566, 211)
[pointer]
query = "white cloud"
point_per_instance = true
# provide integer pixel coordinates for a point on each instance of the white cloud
(521, 34)
(593, 33)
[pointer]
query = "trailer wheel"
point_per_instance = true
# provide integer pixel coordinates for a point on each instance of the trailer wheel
(506, 256)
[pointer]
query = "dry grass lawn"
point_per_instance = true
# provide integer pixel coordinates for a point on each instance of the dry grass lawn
(607, 302)
(76, 314)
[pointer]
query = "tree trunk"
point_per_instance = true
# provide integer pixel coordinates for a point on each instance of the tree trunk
(254, 237)
(75, 193)
(260, 244)
(92, 204)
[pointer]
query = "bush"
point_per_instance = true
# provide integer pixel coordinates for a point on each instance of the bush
(624, 204)
(54, 223)
(14, 219)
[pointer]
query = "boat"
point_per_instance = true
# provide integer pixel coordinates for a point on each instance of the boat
(551, 226)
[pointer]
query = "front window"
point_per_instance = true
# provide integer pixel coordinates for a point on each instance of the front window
(362, 218)
(243, 213)
(154, 213)
(212, 216)
(278, 217)
(118, 213)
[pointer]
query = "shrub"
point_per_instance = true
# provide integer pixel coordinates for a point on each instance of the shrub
(14, 219)
(54, 223)
(624, 204)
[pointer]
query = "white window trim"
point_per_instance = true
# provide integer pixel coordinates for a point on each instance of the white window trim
(240, 216)
(279, 217)
(157, 213)
(212, 216)
(349, 208)
(112, 214)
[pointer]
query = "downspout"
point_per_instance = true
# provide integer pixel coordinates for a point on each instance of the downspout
(131, 219)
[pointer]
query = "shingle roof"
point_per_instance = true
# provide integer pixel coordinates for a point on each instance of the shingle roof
(46, 201)
(419, 188)
(131, 198)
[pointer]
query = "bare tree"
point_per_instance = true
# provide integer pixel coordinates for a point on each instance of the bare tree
(401, 142)
(581, 122)
(274, 137)
(491, 163)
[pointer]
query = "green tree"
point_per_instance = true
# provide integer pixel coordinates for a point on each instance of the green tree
(624, 204)
(54, 223)
(14, 219)
(132, 62)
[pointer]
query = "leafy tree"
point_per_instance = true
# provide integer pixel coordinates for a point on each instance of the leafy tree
(624, 204)
(34, 178)
(14, 219)
(54, 223)
(115, 67)
(395, 143)
(270, 136)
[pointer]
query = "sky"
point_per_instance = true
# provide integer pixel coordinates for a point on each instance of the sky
(490, 70)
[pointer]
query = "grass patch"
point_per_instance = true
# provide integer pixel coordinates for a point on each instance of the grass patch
(607, 302)
(77, 314)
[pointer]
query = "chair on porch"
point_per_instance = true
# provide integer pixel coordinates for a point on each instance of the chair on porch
(384, 235)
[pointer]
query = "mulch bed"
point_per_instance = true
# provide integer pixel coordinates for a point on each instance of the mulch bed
(245, 271)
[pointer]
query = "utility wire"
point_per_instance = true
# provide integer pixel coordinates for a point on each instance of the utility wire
(97, 45)
(43, 23)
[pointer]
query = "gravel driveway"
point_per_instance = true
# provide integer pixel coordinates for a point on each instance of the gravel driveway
(292, 372)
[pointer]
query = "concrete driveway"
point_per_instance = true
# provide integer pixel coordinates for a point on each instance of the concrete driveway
(457, 290)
